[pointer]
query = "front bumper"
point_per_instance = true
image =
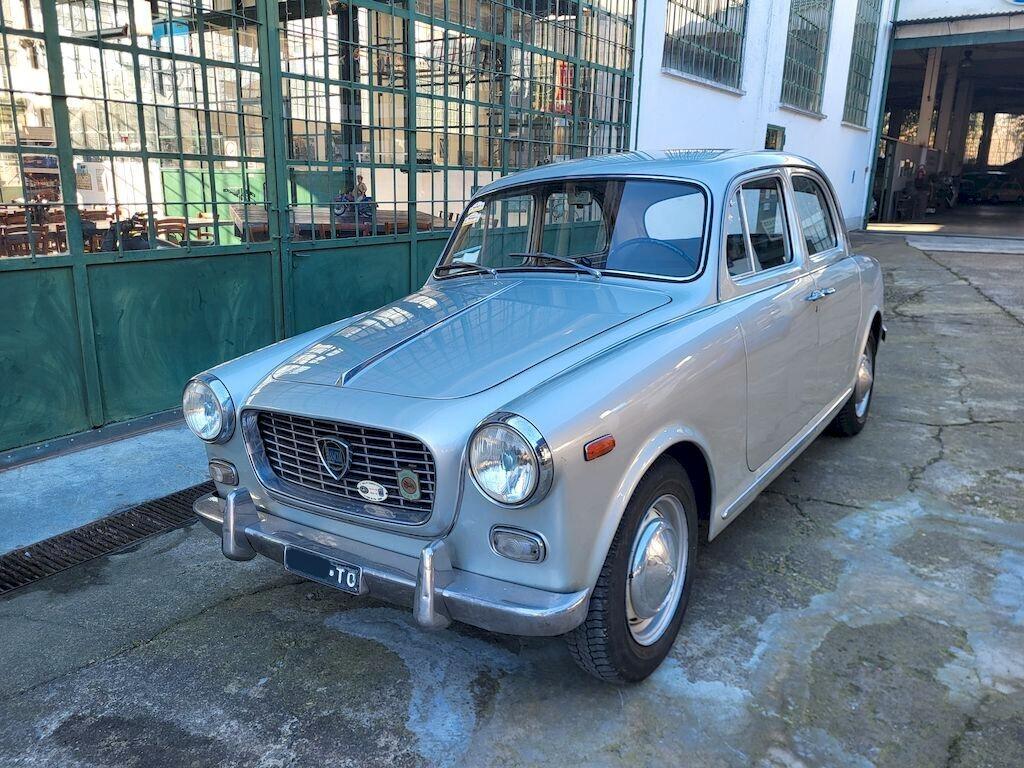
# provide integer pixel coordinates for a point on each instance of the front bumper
(437, 592)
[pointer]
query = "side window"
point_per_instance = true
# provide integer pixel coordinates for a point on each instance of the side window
(816, 225)
(766, 223)
(736, 257)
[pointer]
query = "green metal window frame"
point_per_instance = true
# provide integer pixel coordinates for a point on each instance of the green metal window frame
(706, 39)
(97, 316)
(862, 61)
(807, 36)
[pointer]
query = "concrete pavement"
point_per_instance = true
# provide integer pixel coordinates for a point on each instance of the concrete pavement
(867, 610)
(55, 494)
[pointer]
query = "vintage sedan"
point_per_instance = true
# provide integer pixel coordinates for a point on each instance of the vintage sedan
(608, 351)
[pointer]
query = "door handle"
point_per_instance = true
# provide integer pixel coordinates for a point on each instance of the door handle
(818, 295)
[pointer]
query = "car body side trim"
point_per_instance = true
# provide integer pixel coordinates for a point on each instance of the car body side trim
(776, 465)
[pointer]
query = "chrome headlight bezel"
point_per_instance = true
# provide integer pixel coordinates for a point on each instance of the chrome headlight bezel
(221, 398)
(534, 442)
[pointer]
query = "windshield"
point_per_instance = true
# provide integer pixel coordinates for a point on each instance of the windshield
(617, 225)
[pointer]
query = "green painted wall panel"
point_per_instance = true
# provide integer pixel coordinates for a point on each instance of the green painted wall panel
(158, 322)
(426, 256)
(330, 284)
(42, 384)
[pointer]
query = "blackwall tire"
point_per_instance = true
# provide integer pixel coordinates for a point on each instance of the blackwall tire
(854, 414)
(628, 630)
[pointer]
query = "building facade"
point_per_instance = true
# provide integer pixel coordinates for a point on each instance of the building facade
(806, 76)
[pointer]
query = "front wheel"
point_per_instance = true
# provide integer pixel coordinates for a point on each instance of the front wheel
(641, 594)
(854, 414)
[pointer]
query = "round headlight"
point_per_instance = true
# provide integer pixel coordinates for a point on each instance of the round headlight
(208, 409)
(510, 461)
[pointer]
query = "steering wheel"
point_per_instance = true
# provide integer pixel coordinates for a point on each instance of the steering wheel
(633, 256)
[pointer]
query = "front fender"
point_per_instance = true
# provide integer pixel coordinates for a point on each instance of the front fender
(682, 382)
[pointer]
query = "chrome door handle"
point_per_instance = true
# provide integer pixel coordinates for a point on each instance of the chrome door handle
(817, 295)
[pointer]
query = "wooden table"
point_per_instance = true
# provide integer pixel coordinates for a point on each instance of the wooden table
(251, 220)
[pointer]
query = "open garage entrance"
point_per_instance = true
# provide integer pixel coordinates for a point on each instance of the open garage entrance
(952, 138)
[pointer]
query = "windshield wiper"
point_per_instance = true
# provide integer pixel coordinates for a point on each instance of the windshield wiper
(560, 259)
(456, 263)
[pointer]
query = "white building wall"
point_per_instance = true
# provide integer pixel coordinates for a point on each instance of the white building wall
(676, 111)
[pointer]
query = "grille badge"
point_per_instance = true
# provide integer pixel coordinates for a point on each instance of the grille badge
(409, 485)
(335, 455)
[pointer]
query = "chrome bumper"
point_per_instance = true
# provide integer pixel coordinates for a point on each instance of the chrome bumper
(437, 592)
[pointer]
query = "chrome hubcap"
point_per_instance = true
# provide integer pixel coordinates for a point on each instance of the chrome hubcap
(862, 389)
(657, 569)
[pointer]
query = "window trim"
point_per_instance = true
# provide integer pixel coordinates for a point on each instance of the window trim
(705, 252)
(757, 276)
(818, 256)
(839, 224)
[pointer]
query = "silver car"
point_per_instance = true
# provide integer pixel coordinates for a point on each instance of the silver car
(608, 351)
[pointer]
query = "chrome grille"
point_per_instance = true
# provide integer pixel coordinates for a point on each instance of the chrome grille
(289, 443)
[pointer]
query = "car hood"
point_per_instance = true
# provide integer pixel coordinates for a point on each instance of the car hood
(460, 337)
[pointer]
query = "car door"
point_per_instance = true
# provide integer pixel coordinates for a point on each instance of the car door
(837, 301)
(765, 276)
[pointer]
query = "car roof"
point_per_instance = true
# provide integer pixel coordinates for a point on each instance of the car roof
(712, 166)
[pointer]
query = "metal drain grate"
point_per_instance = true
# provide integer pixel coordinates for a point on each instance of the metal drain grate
(27, 565)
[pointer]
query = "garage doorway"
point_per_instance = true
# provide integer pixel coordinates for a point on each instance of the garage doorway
(952, 137)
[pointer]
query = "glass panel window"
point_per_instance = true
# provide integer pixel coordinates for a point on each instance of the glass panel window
(705, 39)
(803, 77)
(737, 255)
(764, 215)
(616, 225)
(862, 61)
(816, 225)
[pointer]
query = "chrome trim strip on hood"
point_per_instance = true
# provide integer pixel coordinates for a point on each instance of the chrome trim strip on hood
(355, 370)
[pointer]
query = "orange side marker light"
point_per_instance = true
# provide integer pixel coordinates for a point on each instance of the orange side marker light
(598, 447)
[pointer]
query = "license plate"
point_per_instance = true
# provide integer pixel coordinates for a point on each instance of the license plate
(347, 578)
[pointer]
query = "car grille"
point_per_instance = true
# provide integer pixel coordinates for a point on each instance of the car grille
(289, 443)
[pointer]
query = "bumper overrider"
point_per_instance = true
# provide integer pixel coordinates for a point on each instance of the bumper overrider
(437, 592)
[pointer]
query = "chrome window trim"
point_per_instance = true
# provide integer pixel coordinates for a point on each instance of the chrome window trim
(333, 507)
(706, 232)
(541, 449)
(841, 248)
(734, 286)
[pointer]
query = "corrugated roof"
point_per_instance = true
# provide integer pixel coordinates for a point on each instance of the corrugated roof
(1010, 11)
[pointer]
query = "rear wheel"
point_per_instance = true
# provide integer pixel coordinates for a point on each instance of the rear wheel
(641, 594)
(854, 415)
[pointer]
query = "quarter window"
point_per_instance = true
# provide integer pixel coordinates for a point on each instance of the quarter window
(763, 241)
(816, 225)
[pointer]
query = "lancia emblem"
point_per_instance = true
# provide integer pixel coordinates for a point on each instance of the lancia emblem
(335, 455)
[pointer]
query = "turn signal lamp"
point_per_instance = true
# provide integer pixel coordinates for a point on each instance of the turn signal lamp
(595, 449)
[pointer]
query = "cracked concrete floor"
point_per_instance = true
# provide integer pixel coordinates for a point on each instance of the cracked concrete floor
(867, 610)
